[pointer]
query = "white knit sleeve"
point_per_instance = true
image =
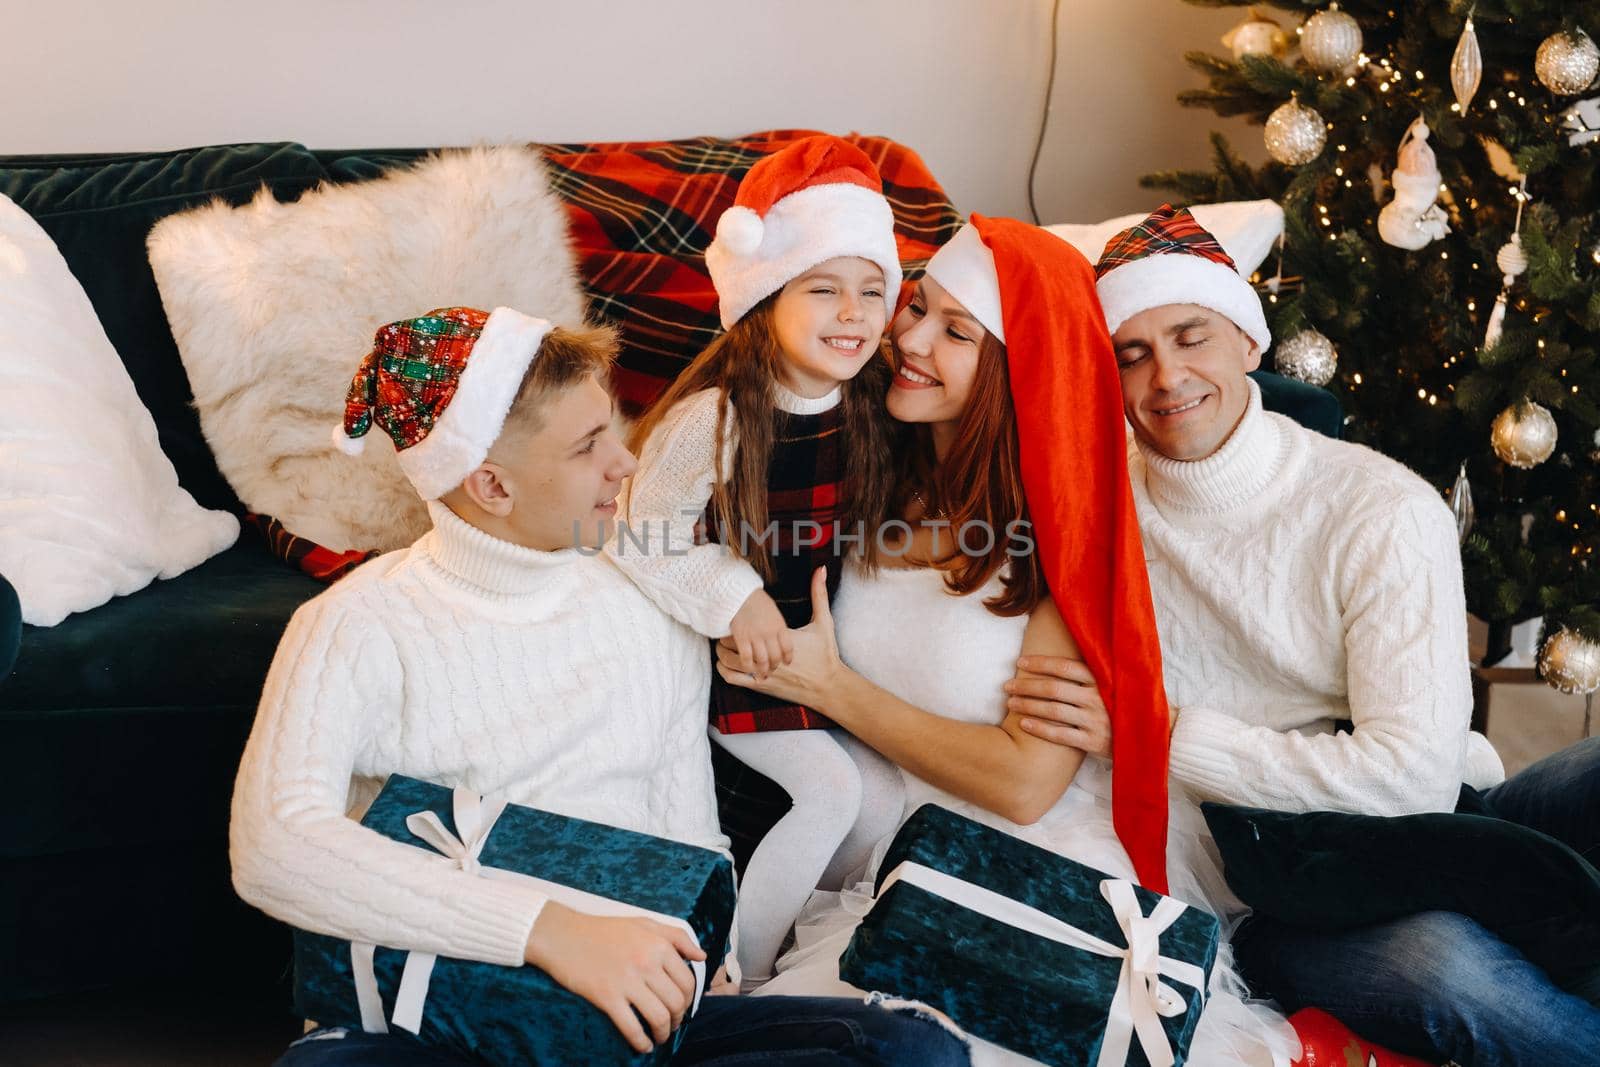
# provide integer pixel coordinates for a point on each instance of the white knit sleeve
(298, 857)
(691, 793)
(1409, 690)
(702, 586)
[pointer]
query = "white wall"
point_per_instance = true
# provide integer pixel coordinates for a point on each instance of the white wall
(960, 80)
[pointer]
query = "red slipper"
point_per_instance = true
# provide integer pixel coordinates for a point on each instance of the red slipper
(1327, 1042)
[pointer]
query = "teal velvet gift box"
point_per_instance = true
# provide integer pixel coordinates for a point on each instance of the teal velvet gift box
(520, 1016)
(1030, 950)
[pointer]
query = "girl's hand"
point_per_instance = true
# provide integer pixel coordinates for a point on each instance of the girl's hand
(759, 635)
(812, 670)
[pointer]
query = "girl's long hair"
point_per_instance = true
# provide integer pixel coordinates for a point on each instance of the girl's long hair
(742, 365)
(980, 481)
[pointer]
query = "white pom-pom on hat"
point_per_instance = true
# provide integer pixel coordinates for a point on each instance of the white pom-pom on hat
(741, 230)
(350, 446)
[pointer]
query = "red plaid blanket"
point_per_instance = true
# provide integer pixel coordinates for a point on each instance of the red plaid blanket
(641, 214)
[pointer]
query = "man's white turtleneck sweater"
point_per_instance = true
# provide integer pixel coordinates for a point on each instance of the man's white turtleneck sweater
(1298, 581)
(464, 660)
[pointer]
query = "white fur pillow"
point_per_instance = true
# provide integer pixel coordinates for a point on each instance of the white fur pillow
(1246, 230)
(90, 507)
(274, 305)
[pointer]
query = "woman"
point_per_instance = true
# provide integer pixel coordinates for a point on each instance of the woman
(931, 637)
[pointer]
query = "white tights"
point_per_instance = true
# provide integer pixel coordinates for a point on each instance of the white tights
(846, 799)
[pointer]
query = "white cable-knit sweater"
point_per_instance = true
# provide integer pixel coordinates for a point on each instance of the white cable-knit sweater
(704, 585)
(1300, 580)
(464, 660)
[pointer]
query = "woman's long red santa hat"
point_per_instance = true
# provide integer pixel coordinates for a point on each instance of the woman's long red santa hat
(1068, 398)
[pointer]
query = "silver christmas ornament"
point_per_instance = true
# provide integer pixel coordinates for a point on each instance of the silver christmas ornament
(1567, 62)
(1461, 505)
(1257, 35)
(1466, 67)
(1295, 134)
(1569, 663)
(1308, 356)
(1524, 435)
(1330, 40)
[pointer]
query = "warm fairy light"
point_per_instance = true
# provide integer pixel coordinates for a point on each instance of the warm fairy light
(1541, 343)
(1494, 105)
(1472, 305)
(1444, 255)
(1349, 185)
(1561, 516)
(1358, 378)
(1422, 394)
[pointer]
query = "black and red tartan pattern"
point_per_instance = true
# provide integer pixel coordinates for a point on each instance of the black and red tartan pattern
(1166, 230)
(408, 378)
(308, 557)
(803, 487)
(641, 215)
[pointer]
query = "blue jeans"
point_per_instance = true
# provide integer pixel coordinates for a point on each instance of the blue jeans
(1438, 984)
(793, 1031)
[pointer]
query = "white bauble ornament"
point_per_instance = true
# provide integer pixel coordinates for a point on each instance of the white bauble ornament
(1330, 40)
(1524, 435)
(1466, 67)
(1257, 35)
(1570, 664)
(1309, 357)
(1412, 218)
(1567, 62)
(1295, 134)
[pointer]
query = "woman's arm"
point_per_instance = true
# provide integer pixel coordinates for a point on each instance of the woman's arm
(999, 768)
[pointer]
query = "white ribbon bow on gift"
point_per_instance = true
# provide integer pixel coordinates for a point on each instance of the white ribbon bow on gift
(1141, 1000)
(475, 817)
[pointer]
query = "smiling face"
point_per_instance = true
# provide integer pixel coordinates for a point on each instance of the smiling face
(1183, 373)
(829, 322)
(936, 343)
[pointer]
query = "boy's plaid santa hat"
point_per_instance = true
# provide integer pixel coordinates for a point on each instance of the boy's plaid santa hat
(440, 385)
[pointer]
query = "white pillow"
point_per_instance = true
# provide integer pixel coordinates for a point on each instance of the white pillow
(1246, 230)
(90, 507)
(274, 305)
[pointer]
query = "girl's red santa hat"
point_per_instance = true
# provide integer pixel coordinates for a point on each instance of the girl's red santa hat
(814, 200)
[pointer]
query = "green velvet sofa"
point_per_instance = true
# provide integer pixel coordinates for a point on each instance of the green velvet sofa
(121, 728)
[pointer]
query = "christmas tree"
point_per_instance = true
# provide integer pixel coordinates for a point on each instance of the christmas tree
(1448, 290)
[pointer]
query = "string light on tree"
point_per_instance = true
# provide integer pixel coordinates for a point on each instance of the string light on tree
(1330, 40)
(1524, 435)
(1295, 134)
(1567, 63)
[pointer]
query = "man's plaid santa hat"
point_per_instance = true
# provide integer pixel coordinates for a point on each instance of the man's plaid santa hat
(1036, 293)
(814, 200)
(440, 385)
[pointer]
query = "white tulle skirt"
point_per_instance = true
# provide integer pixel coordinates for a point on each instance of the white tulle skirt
(1233, 1030)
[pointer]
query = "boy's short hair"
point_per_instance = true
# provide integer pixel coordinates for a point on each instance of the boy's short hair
(566, 357)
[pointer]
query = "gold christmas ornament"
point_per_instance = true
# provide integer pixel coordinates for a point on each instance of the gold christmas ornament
(1567, 62)
(1308, 356)
(1330, 40)
(1466, 67)
(1257, 35)
(1570, 664)
(1524, 435)
(1295, 134)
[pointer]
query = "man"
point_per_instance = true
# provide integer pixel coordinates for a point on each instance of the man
(1301, 583)
(502, 652)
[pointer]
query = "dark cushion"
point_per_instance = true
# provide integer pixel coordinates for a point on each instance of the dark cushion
(98, 209)
(149, 696)
(1311, 406)
(10, 626)
(1333, 871)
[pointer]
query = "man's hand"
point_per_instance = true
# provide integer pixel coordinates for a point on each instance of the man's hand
(760, 636)
(620, 966)
(1063, 706)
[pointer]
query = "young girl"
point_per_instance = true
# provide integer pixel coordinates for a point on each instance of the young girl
(768, 447)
